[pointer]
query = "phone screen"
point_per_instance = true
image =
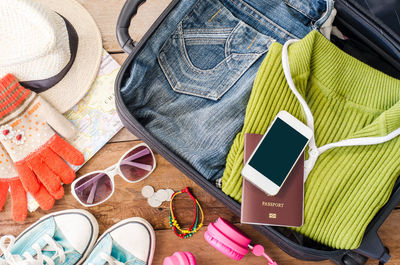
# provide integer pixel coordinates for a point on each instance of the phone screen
(278, 152)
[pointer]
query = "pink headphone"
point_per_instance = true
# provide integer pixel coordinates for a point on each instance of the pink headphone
(227, 239)
(180, 258)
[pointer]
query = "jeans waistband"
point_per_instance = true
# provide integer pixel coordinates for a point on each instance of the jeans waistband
(281, 16)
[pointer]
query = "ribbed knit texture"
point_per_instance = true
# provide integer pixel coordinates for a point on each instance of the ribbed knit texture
(348, 99)
(12, 95)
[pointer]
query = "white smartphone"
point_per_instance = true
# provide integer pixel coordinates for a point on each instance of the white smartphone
(277, 153)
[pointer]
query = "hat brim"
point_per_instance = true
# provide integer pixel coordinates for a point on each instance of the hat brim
(75, 84)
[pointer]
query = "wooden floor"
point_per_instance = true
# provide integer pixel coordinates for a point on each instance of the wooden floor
(127, 200)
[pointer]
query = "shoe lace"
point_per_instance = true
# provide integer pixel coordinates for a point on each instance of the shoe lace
(27, 258)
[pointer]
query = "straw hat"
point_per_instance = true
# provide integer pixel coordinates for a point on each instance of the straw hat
(53, 47)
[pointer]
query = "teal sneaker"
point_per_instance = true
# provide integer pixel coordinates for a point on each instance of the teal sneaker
(64, 237)
(131, 241)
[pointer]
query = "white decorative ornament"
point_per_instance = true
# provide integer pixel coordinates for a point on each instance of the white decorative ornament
(19, 137)
(7, 132)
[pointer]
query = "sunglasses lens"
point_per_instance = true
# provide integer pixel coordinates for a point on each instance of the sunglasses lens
(93, 188)
(137, 164)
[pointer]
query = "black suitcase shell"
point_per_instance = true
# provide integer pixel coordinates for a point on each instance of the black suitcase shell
(355, 20)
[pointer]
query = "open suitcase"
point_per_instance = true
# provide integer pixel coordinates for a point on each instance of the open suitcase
(378, 40)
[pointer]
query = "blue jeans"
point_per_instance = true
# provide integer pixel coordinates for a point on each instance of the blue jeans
(190, 84)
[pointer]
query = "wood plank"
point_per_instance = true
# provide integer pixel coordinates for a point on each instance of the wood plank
(389, 233)
(106, 20)
(120, 57)
(123, 136)
(106, 13)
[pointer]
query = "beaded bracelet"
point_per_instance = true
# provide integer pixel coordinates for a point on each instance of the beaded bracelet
(185, 233)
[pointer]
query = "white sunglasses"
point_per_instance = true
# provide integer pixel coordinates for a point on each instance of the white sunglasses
(97, 187)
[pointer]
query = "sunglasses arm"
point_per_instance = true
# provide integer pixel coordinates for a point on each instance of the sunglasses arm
(138, 155)
(90, 199)
(138, 165)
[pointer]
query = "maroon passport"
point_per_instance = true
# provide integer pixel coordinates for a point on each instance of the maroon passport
(283, 209)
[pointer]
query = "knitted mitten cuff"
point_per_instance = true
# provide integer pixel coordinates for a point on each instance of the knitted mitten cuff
(12, 96)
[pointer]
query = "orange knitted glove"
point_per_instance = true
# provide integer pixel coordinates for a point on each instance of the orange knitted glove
(9, 180)
(36, 150)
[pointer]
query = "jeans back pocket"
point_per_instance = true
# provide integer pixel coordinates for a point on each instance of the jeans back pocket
(209, 51)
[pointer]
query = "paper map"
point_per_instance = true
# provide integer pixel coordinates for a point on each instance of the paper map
(95, 116)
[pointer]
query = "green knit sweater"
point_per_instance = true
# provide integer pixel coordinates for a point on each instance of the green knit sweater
(348, 99)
